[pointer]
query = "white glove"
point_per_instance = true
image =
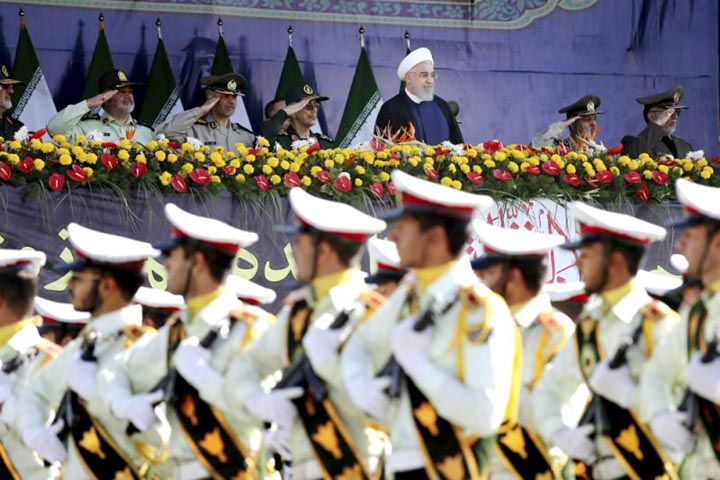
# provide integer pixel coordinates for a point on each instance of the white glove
(704, 378)
(278, 440)
(368, 394)
(193, 361)
(275, 406)
(321, 345)
(82, 377)
(138, 409)
(617, 385)
(43, 439)
(670, 429)
(576, 442)
(7, 382)
(410, 347)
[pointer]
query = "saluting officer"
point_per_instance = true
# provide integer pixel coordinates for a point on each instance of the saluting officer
(293, 122)
(514, 265)
(115, 123)
(581, 121)
(680, 387)
(211, 122)
(616, 333)
(8, 124)
(453, 338)
(316, 425)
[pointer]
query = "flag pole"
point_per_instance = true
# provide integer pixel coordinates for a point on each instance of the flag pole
(158, 25)
(220, 26)
(289, 34)
(407, 40)
(362, 36)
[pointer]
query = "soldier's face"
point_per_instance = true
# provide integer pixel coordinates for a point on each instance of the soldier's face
(123, 101)
(692, 243)
(420, 81)
(178, 268)
(303, 250)
(307, 117)
(82, 289)
(6, 92)
(225, 107)
(411, 242)
(493, 277)
(592, 262)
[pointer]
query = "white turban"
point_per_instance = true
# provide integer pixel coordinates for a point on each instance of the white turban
(413, 58)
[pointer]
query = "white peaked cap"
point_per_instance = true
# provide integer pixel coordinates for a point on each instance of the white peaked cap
(26, 261)
(384, 252)
(106, 248)
(564, 292)
(156, 298)
(679, 263)
(514, 242)
(249, 291)
(697, 200)
(59, 312)
(658, 284)
(418, 55)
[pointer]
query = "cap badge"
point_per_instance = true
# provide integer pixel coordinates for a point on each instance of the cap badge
(5, 71)
(590, 106)
(308, 89)
(232, 85)
(676, 97)
(122, 77)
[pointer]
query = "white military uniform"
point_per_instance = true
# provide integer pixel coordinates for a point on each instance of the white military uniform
(470, 382)
(78, 119)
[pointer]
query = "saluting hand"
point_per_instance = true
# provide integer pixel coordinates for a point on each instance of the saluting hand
(100, 98)
(293, 108)
(207, 106)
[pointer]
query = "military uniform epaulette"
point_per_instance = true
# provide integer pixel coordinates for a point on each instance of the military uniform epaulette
(655, 310)
(550, 322)
(283, 133)
(201, 121)
(324, 137)
(49, 348)
(91, 115)
(472, 297)
(133, 332)
(372, 299)
(237, 127)
(244, 315)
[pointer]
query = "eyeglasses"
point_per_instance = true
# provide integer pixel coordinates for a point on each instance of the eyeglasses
(675, 111)
(425, 75)
(312, 106)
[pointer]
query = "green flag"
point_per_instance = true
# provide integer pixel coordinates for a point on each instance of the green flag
(33, 103)
(162, 99)
(290, 75)
(222, 65)
(362, 106)
(101, 62)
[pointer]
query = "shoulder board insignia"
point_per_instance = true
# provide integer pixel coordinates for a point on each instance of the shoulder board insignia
(283, 133)
(471, 297)
(244, 315)
(47, 347)
(133, 332)
(325, 137)
(239, 128)
(549, 322)
(201, 121)
(372, 299)
(295, 296)
(91, 116)
(212, 125)
(655, 310)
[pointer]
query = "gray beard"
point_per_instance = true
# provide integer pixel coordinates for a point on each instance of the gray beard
(426, 95)
(6, 105)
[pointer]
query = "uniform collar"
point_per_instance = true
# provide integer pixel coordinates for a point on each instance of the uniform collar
(110, 323)
(625, 308)
(528, 312)
(9, 331)
(217, 308)
(614, 295)
(196, 304)
(444, 288)
(713, 288)
(424, 277)
(106, 118)
(347, 285)
(414, 98)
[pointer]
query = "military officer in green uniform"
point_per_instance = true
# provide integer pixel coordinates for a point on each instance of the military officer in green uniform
(114, 123)
(302, 108)
(8, 124)
(581, 121)
(661, 112)
(211, 122)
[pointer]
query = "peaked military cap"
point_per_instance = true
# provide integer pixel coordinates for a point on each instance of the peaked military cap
(507, 243)
(587, 105)
(385, 254)
(56, 312)
(249, 291)
(297, 93)
(671, 98)
(114, 80)
(160, 299)
(5, 78)
(229, 84)
(700, 202)
(20, 262)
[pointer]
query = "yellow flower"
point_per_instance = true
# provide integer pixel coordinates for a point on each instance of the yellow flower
(285, 165)
(125, 143)
(140, 158)
(623, 160)
(358, 182)
(477, 169)
(339, 158)
(235, 163)
(80, 139)
(535, 161)
(57, 138)
(429, 161)
(647, 174)
(188, 167)
(513, 167)
(429, 151)
(643, 156)
(485, 157)
(465, 168)
(267, 169)
(250, 158)
(205, 148)
(677, 170)
(165, 178)
(295, 167)
(35, 144)
(242, 150)
(14, 159)
(384, 176)
(263, 142)
(160, 155)
(706, 174)
(91, 158)
(663, 168)
(330, 163)
(305, 180)
(583, 158)
(687, 165)
(172, 158)
(215, 179)
(360, 170)
(240, 178)
(273, 162)
(452, 168)
(199, 156)
(89, 171)
(447, 181)
(215, 157)
(123, 155)
(151, 145)
(489, 163)
(248, 169)
(38, 164)
(701, 163)
(275, 179)
(615, 170)
(570, 168)
(456, 184)
(633, 165)
(65, 159)
(500, 156)
(62, 151)
(212, 170)
(77, 151)
(315, 169)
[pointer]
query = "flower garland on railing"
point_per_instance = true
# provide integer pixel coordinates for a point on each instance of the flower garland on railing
(351, 175)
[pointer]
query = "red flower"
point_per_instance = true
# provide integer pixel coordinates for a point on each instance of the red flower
(262, 182)
(5, 171)
(659, 177)
(376, 146)
(109, 161)
(255, 151)
(391, 188)
(323, 176)
(492, 146)
(591, 182)
(441, 151)
(572, 179)
(633, 177)
(715, 160)
(109, 145)
(604, 176)
(343, 183)
(291, 179)
(395, 156)
(175, 145)
(533, 170)
(200, 176)
(431, 173)
(138, 169)
(26, 164)
(39, 133)
(76, 172)
(377, 189)
(313, 148)
(56, 182)
(475, 178)
(551, 168)
(229, 170)
(616, 150)
(502, 175)
(562, 149)
(644, 193)
(178, 183)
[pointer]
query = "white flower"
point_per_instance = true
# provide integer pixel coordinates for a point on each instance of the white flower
(194, 142)
(22, 134)
(695, 155)
(257, 140)
(454, 149)
(278, 147)
(93, 136)
(298, 144)
(161, 137)
(346, 175)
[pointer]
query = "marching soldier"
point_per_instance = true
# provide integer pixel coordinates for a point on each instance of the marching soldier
(115, 123)
(389, 273)
(60, 321)
(316, 426)
(8, 124)
(207, 439)
(293, 122)
(107, 272)
(158, 306)
(22, 353)
(514, 266)
(211, 122)
(444, 347)
(616, 333)
(680, 385)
